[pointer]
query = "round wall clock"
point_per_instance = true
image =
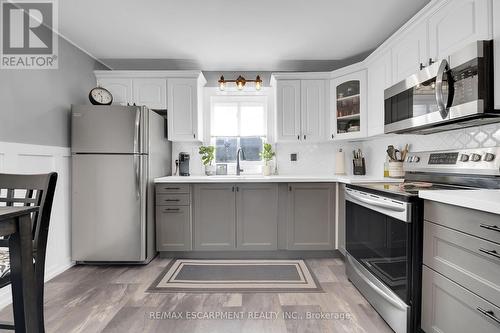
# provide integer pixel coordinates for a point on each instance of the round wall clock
(100, 96)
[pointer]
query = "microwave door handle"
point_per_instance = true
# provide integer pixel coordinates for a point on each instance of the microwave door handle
(442, 107)
(374, 202)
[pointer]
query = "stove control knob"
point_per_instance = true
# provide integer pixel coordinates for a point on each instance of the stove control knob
(475, 157)
(489, 157)
(464, 158)
(416, 159)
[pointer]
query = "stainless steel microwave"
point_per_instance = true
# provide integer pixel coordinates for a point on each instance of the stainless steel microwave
(452, 93)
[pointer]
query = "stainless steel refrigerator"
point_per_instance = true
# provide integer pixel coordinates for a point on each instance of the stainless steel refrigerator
(117, 151)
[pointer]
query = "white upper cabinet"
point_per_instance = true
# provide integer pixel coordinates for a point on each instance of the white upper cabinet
(313, 110)
(288, 110)
(151, 92)
(120, 89)
(409, 52)
(184, 110)
(379, 78)
(180, 92)
(301, 110)
(458, 23)
(348, 106)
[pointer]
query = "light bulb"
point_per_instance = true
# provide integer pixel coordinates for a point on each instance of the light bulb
(222, 83)
(258, 83)
(239, 85)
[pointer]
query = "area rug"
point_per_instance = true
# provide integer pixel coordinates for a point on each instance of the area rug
(236, 276)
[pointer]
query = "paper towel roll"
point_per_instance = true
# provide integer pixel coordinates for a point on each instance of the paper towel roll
(340, 163)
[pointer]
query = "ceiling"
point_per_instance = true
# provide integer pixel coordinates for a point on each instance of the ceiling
(233, 34)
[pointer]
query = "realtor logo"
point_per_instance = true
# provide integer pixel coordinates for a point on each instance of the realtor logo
(28, 40)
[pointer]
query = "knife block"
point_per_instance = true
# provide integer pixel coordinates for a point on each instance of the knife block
(359, 167)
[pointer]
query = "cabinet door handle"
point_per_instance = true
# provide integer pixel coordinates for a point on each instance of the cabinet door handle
(171, 188)
(175, 200)
(289, 188)
(237, 188)
(492, 253)
(232, 189)
(490, 227)
(298, 137)
(171, 210)
(488, 313)
(194, 136)
(333, 136)
(305, 136)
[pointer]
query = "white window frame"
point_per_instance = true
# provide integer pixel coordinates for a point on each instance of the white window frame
(256, 98)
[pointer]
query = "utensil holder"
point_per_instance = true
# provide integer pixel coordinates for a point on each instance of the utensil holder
(359, 167)
(396, 169)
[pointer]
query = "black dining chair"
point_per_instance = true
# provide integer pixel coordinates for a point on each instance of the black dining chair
(29, 190)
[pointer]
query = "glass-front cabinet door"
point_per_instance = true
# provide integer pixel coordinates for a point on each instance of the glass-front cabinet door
(348, 106)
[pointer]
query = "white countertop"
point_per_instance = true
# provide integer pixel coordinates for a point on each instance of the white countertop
(484, 200)
(276, 179)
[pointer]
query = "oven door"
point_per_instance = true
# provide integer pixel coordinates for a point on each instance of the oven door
(378, 236)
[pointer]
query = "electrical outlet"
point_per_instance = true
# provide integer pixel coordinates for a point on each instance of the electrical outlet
(293, 157)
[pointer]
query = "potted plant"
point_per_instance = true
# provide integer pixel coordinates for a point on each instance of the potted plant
(267, 155)
(207, 157)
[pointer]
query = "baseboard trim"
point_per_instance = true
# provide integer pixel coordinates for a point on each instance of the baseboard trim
(280, 254)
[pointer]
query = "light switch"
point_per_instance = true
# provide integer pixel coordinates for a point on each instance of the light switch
(293, 157)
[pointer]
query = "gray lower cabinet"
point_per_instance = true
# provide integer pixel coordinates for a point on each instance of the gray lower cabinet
(257, 216)
(173, 217)
(214, 217)
(449, 308)
(173, 228)
(311, 216)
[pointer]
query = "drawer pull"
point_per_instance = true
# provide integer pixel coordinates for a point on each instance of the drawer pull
(171, 188)
(488, 313)
(490, 227)
(490, 252)
(171, 210)
(172, 200)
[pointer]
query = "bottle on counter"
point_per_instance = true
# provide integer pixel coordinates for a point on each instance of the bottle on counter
(386, 167)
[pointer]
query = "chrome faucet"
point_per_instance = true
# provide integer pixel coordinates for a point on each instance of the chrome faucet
(238, 169)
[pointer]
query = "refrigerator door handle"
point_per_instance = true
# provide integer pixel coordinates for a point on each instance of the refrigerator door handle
(137, 169)
(137, 130)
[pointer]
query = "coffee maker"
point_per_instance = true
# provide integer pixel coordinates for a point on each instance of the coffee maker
(183, 164)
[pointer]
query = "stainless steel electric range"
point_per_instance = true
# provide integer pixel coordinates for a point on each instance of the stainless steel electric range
(384, 227)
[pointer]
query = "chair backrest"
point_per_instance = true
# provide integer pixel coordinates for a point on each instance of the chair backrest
(31, 190)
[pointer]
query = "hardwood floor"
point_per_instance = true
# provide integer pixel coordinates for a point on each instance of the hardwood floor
(112, 299)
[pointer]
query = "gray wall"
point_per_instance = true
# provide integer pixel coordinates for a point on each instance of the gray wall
(35, 104)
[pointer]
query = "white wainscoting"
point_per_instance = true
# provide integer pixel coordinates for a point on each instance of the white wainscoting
(27, 158)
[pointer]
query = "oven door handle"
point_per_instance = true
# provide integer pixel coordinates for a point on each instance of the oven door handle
(382, 204)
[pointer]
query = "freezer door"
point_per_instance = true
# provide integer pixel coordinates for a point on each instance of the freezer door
(108, 129)
(109, 208)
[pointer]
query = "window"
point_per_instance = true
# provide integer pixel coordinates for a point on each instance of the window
(238, 123)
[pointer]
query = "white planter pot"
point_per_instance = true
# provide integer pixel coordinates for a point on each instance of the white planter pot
(396, 169)
(210, 170)
(266, 170)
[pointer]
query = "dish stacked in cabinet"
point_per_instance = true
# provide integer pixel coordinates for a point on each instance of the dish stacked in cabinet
(461, 270)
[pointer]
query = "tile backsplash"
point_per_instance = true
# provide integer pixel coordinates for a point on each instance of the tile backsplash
(319, 158)
(473, 137)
